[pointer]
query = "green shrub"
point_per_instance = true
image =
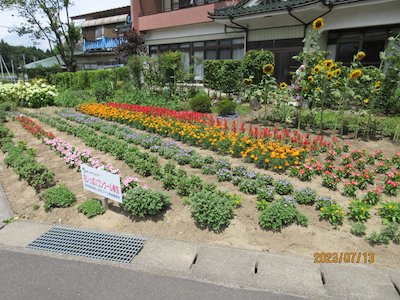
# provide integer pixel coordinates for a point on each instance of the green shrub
(389, 232)
(358, 228)
(378, 239)
(212, 209)
(103, 90)
(359, 211)
(223, 75)
(91, 208)
(58, 196)
(333, 213)
(253, 61)
(142, 202)
(283, 187)
(226, 107)
(201, 103)
(280, 214)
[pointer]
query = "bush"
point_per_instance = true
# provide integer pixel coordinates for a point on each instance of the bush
(358, 229)
(253, 61)
(58, 196)
(142, 202)
(223, 75)
(212, 209)
(280, 214)
(283, 187)
(201, 103)
(389, 232)
(305, 196)
(333, 213)
(103, 90)
(378, 239)
(91, 208)
(358, 211)
(226, 107)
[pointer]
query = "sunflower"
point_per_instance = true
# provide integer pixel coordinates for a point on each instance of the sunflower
(317, 69)
(329, 75)
(248, 81)
(310, 78)
(268, 69)
(328, 63)
(360, 55)
(318, 23)
(378, 85)
(355, 74)
(337, 72)
(366, 101)
(283, 85)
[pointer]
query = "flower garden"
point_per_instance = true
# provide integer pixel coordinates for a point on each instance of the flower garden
(198, 176)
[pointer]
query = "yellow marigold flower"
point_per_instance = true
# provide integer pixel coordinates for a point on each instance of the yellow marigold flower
(283, 85)
(378, 85)
(336, 211)
(310, 78)
(360, 55)
(390, 207)
(328, 63)
(317, 69)
(266, 160)
(248, 81)
(321, 209)
(329, 75)
(362, 209)
(366, 101)
(318, 23)
(355, 74)
(268, 69)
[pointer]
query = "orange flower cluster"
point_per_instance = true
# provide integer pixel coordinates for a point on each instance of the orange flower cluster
(265, 153)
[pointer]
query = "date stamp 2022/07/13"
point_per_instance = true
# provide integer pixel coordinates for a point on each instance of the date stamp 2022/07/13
(344, 257)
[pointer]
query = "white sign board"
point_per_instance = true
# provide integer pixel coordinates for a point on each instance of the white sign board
(102, 183)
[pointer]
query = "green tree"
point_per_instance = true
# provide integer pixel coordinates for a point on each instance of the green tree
(48, 20)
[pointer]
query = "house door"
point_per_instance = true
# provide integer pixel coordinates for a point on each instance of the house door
(285, 64)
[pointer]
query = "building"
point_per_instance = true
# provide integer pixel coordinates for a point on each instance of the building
(210, 29)
(46, 63)
(102, 32)
(185, 25)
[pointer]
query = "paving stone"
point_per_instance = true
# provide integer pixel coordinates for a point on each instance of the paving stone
(357, 282)
(292, 275)
(225, 265)
(21, 233)
(159, 255)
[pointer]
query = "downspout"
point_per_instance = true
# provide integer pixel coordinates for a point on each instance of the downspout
(245, 29)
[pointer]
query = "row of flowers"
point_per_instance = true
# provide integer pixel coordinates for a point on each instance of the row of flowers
(266, 154)
(73, 156)
(315, 144)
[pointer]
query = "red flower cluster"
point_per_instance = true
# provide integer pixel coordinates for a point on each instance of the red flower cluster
(189, 116)
(34, 128)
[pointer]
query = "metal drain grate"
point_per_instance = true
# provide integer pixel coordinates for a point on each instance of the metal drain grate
(89, 243)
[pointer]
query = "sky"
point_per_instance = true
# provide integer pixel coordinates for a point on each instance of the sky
(8, 19)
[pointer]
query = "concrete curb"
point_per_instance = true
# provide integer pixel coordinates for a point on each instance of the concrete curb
(239, 268)
(5, 208)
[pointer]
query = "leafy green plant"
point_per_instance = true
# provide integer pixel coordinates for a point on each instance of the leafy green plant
(142, 202)
(36, 207)
(333, 214)
(226, 107)
(188, 185)
(358, 211)
(58, 196)
(283, 187)
(253, 61)
(280, 214)
(212, 209)
(201, 103)
(389, 232)
(377, 239)
(390, 212)
(305, 196)
(358, 228)
(265, 194)
(91, 208)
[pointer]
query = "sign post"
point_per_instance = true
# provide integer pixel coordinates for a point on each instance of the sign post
(102, 183)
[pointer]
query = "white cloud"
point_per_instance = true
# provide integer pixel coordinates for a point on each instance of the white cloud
(10, 19)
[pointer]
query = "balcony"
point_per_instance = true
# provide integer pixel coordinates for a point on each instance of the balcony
(103, 44)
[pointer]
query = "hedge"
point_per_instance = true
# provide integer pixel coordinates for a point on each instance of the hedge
(85, 79)
(227, 75)
(223, 75)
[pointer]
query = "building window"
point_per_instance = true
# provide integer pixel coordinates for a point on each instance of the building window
(99, 32)
(346, 51)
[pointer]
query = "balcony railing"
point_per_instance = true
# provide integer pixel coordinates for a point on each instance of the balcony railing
(103, 44)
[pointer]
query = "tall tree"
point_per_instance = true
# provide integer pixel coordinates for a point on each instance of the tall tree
(133, 44)
(48, 20)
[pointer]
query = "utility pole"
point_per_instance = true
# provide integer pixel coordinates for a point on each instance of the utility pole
(13, 71)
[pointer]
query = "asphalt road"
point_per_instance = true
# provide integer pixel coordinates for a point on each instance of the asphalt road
(31, 276)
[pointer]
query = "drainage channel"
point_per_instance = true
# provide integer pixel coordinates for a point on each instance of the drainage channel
(89, 243)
